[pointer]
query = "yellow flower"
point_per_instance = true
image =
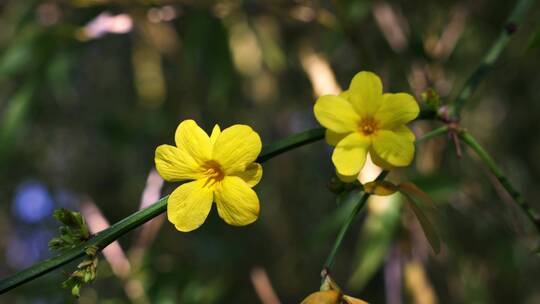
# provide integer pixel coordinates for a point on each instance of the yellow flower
(222, 169)
(363, 119)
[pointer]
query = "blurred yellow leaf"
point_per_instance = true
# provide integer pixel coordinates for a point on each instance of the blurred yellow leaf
(418, 284)
(351, 300)
(382, 188)
(323, 297)
(427, 227)
(413, 190)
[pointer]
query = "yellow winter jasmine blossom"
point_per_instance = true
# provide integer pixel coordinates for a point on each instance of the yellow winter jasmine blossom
(363, 119)
(221, 168)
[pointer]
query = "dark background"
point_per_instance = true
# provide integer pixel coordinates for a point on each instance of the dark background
(89, 89)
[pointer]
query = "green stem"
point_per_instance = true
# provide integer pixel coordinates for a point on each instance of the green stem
(491, 56)
(101, 240)
(432, 133)
(291, 142)
(347, 224)
(531, 214)
(109, 235)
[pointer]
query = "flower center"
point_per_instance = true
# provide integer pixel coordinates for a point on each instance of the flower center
(367, 126)
(213, 172)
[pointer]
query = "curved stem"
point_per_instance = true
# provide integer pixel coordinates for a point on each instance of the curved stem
(491, 56)
(531, 214)
(107, 236)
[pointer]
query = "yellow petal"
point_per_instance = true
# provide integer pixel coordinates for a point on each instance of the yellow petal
(332, 138)
(365, 93)
(396, 150)
(347, 178)
(379, 161)
(191, 138)
(252, 175)
(215, 134)
(344, 94)
(189, 205)
(237, 203)
(396, 110)
(351, 300)
(350, 154)
(322, 297)
(336, 114)
(405, 131)
(236, 148)
(174, 164)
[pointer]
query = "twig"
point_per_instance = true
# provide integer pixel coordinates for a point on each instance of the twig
(346, 225)
(432, 134)
(491, 56)
(104, 238)
(531, 214)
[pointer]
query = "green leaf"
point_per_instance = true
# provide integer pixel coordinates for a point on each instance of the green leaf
(427, 227)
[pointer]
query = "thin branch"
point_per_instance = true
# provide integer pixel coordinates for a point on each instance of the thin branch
(432, 133)
(362, 199)
(291, 142)
(531, 214)
(491, 56)
(101, 240)
(104, 238)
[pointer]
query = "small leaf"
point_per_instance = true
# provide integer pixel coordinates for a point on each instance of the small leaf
(68, 218)
(382, 188)
(427, 227)
(431, 98)
(85, 263)
(75, 290)
(56, 244)
(91, 250)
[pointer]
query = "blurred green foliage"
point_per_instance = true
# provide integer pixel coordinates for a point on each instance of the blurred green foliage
(89, 88)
